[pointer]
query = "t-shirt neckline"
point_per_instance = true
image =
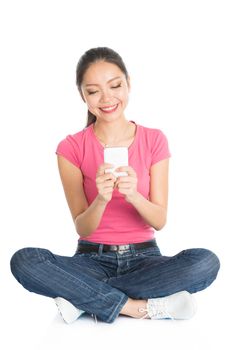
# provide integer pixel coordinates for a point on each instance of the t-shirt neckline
(91, 127)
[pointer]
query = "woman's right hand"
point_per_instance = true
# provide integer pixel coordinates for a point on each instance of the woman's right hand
(105, 182)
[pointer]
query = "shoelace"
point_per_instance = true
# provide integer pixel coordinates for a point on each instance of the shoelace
(95, 317)
(156, 309)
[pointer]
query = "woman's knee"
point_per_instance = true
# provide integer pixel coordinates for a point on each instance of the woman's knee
(204, 261)
(213, 263)
(210, 261)
(25, 258)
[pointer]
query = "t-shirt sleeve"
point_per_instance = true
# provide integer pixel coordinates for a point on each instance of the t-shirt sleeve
(69, 150)
(160, 148)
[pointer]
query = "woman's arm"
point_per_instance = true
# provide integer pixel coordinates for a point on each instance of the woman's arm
(154, 210)
(86, 218)
(88, 221)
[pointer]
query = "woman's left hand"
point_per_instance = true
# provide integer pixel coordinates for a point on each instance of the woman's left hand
(127, 185)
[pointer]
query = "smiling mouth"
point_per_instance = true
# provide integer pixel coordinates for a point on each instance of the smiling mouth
(109, 109)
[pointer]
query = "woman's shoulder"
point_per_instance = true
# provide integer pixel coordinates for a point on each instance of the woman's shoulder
(156, 140)
(72, 146)
(152, 132)
(75, 137)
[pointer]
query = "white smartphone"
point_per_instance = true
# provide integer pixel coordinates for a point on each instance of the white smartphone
(118, 156)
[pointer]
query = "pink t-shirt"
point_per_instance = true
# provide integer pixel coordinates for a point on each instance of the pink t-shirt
(121, 223)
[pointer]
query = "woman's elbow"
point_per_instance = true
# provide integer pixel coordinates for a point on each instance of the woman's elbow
(162, 222)
(160, 227)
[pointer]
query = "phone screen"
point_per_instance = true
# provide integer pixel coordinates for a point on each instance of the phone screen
(118, 156)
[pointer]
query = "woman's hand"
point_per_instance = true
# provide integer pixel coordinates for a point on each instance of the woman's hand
(127, 185)
(105, 182)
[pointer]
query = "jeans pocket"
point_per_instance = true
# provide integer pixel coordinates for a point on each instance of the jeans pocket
(152, 251)
(88, 255)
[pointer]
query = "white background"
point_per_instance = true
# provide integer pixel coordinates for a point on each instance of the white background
(180, 57)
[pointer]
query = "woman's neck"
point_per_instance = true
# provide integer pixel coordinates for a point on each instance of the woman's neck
(112, 132)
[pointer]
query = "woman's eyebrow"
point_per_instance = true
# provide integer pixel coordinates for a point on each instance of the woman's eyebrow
(107, 82)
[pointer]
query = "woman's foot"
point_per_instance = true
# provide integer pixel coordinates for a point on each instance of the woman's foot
(132, 306)
(67, 310)
(178, 306)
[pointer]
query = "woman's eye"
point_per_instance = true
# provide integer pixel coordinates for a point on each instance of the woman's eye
(114, 87)
(94, 92)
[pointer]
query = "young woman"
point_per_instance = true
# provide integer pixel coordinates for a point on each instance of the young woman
(118, 267)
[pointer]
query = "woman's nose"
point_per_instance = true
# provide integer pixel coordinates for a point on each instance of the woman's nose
(105, 97)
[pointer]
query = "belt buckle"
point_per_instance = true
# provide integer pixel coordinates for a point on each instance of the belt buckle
(120, 248)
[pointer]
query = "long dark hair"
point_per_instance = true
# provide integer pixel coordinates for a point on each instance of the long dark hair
(91, 56)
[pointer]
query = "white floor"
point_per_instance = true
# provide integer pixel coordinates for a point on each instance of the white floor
(30, 321)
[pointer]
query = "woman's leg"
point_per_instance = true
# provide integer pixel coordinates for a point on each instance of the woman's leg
(158, 276)
(77, 279)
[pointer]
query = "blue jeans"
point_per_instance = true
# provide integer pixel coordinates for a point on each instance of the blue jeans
(101, 282)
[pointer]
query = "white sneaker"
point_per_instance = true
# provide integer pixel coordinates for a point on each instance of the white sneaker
(180, 306)
(67, 310)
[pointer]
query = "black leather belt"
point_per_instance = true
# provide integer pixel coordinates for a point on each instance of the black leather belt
(83, 248)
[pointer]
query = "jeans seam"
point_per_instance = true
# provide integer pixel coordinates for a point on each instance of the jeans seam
(115, 312)
(75, 279)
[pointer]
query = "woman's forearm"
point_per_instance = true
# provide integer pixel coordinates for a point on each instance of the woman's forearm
(88, 221)
(154, 214)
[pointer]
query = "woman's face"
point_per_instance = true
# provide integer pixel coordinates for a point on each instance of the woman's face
(104, 86)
